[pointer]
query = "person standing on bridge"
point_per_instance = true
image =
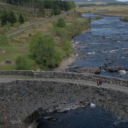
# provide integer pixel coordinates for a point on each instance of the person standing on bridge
(99, 82)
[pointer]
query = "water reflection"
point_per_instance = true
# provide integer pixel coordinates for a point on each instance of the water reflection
(83, 118)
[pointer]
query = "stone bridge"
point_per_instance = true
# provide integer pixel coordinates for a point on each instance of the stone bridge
(23, 94)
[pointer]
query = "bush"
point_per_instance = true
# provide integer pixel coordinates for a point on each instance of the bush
(44, 51)
(61, 23)
(21, 63)
(67, 47)
(3, 40)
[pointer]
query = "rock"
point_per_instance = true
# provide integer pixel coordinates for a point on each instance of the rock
(3, 51)
(48, 117)
(122, 72)
(92, 105)
(114, 68)
(8, 61)
(94, 70)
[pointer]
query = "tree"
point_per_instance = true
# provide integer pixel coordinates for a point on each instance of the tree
(61, 23)
(11, 17)
(21, 19)
(4, 18)
(44, 51)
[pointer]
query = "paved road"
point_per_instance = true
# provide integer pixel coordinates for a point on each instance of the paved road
(72, 81)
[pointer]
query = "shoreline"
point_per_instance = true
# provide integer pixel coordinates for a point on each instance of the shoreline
(65, 63)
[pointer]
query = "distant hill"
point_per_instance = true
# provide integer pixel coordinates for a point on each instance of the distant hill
(105, 1)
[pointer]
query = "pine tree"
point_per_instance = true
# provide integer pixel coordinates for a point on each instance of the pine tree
(11, 17)
(4, 18)
(21, 19)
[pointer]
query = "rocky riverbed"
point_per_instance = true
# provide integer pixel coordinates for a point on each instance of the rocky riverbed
(104, 48)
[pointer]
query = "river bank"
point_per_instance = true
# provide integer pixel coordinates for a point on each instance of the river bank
(66, 63)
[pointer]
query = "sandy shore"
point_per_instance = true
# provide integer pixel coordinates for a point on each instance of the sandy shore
(65, 63)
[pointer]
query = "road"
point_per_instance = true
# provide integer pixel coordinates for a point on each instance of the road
(37, 24)
(70, 81)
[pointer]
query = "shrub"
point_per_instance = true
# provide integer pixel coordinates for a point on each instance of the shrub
(61, 23)
(21, 63)
(44, 51)
(67, 47)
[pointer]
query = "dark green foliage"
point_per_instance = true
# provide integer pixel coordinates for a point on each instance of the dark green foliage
(44, 51)
(11, 17)
(56, 11)
(55, 5)
(61, 23)
(21, 19)
(21, 63)
(8, 17)
(4, 18)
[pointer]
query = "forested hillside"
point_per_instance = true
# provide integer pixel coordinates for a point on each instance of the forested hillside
(43, 4)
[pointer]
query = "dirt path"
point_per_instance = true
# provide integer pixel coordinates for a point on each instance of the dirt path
(65, 63)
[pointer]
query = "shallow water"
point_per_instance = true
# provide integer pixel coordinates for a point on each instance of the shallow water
(83, 118)
(105, 44)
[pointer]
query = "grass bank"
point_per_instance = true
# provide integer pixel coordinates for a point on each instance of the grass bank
(110, 10)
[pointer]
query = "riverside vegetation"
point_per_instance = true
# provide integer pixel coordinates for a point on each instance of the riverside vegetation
(44, 46)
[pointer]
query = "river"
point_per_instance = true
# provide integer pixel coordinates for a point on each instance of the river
(82, 118)
(104, 45)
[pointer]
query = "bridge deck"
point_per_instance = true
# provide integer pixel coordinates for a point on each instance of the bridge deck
(60, 80)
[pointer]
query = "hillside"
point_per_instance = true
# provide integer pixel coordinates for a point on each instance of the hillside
(58, 28)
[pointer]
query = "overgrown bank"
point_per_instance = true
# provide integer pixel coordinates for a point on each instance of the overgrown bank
(48, 49)
(51, 44)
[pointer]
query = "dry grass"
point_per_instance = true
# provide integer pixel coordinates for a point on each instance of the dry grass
(111, 10)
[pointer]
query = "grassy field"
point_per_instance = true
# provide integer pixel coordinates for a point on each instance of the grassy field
(19, 44)
(111, 10)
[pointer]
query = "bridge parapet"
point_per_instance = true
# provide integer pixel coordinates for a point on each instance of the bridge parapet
(68, 75)
(21, 98)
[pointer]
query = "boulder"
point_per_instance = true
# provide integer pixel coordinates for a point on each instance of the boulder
(94, 70)
(8, 61)
(114, 68)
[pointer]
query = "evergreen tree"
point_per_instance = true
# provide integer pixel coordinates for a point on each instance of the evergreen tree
(21, 19)
(61, 23)
(4, 18)
(11, 17)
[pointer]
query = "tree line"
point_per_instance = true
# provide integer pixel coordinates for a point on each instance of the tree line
(46, 4)
(11, 18)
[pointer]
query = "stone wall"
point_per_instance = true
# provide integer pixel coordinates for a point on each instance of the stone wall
(19, 99)
(68, 75)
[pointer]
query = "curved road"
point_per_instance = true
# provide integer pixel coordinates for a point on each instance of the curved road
(6, 79)
(37, 24)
